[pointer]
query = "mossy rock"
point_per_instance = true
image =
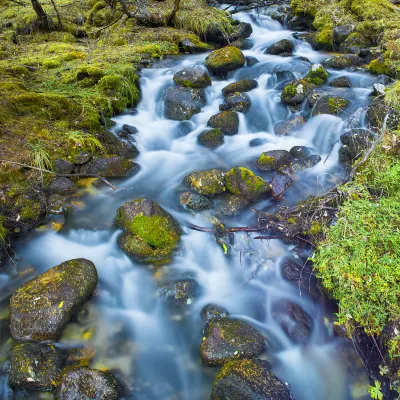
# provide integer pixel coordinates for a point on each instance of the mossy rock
(87, 383)
(232, 205)
(193, 77)
(208, 183)
(250, 380)
(343, 62)
(111, 167)
(211, 138)
(182, 103)
(341, 82)
(228, 339)
(379, 67)
(355, 40)
(318, 75)
(213, 311)
(150, 233)
(222, 61)
(181, 292)
(283, 46)
(355, 143)
(226, 121)
(245, 85)
(61, 185)
(242, 181)
(274, 159)
(34, 366)
(341, 33)
(239, 102)
(289, 126)
(42, 307)
(378, 113)
(333, 105)
(296, 92)
(194, 201)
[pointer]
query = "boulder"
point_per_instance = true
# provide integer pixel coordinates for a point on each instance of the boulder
(193, 77)
(242, 44)
(42, 307)
(248, 380)
(213, 311)
(341, 82)
(301, 152)
(34, 366)
(239, 102)
(250, 61)
(285, 128)
(317, 75)
(296, 92)
(182, 103)
(150, 233)
(211, 138)
(56, 204)
(87, 383)
(63, 166)
(226, 121)
(244, 85)
(274, 159)
(208, 183)
(129, 130)
(305, 163)
(195, 201)
(257, 142)
(355, 142)
(379, 113)
(111, 167)
(222, 61)
(61, 185)
(82, 158)
(341, 33)
(342, 62)
(290, 71)
(187, 46)
(232, 205)
(283, 46)
(180, 292)
(242, 181)
(329, 104)
(279, 184)
(228, 339)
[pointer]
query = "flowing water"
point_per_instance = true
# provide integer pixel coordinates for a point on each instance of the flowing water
(133, 331)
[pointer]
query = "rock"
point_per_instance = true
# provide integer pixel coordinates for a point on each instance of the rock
(283, 46)
(241, 31)
(226, 121)
(280, 183)
(305, 163)
(207, 183)
(212, 311)
(187, 46)
(248, 380)
(129, 130)
(82, 158)
(384, 80)
(239, 102)
(180, 292)
(285, 128)
(242, 44)
(112, 167)
(42, 307)
(150, 233)
(61, 185)
(257, 142)
(329, 104)
(242, 181)
(301, 152)
(124, 148)
(34, 366)
(232, 205)
(378, 89)
(274, 159)
(185, 127)
(55, 204)
(182, 103)
(195, 201)
(341, 82)
(296, 92)
(355, 142)
(341, 33)
(250, 61)
(211, 138)
(378, 113)
(317, 75)
(87, 383)
(63, 167)
(290, 71)
(222, 61)
(342, 62)
(245, 85)
(357, 44)
(193, 77)
(228, 339)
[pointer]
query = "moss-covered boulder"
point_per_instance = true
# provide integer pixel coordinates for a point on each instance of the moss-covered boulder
(279, 184)
(283, 46)
(188, 46)
(248, 380)
(222, 61)
(228, 339)
(232, 205)
(296, 92)
(274, 159)
(86, 383)
(239, 102)
(34, 366)
(242, 181)
(150, 233)
(181, 292)
(111, 167)
(342, 62)
(226, 121)
(305, 163)
(208, 183)
(355, 143)
(289, 126)
(317, 75)
(193, 77)
(245, 85)
(61, 185)
(341, 82)
(194, 201)
(333, 105)
(211, 138)
(42, 307)
(182, 103)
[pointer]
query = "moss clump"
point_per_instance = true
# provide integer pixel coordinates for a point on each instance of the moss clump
(226, 121)
(318, 75)
(296, 92)
(222, 61)
(379, 67)
(242, 181)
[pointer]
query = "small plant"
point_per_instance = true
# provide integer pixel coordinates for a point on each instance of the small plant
(375, 391)
(3, 229)
(40, 158)
(85, 140)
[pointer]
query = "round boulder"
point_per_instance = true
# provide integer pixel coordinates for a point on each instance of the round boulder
(283, 46)
(213, 311)
(63, 166)
(195, 201)
(239, 102)
(193, 77)
(355, 142)
(61, 185)
(274, 159)
(245, 85)
(226, 121)
(305, 163)
(180, 292)
(222, 61)
(296, 92)
(211, 138)
(329, 104)
(301, 152)
(279, 184)
(208, 183)
(181, 103)
(341, 82)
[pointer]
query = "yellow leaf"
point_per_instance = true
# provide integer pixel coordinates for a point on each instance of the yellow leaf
(56, 226)
(61, 304)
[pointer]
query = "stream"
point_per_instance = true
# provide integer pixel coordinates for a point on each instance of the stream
(155, 344)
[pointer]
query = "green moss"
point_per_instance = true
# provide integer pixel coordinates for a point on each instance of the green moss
(51, 63)
(207, 183)
(224, 60)
(379, 67)
(324, 38)
(266, 160)
(242, 181)
(318, 75)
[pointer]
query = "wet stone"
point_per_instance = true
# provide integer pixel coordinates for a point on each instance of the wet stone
(285, 128)
(187, 46)
(245, 85)
(239, 102)
(56, 204)
(195, 201)
(344, 61)
(333, 105)
(82, 158)
(226, 121)
(305, 163)
(280, 183)
(193, 77)
(228, 339)
(296, 92)
(341, 82)
(207, 183)
(63, 167)
(222, 61)
(301, 151)
(185, 127)
(111, 167)
(257, 142)
(211, 138)
(129, 129)
(283, 46)
(355, 142)
(232, 205)
(274, 159)
(378, 114)
(250, 61)
(182, 103)
(180, 292)
(61, 185)
(213, 311)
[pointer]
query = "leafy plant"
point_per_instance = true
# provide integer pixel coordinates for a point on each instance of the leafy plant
(40, 158)
(85, 140)
(375, 391)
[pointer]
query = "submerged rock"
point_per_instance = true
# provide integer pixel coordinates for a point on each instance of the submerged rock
(250, 61)
(42, 307)
(341, 82)
(257, 142)
(207, 183)
(355, 142)
(274, 159)
(296, 92)
(342, 62)
(228, 339)
(211, 138)
(34, 366)
(329, 104)
(239, 102)
(213, 311)
(245, 85)
(180, 292)
(150, 233)
(226, 121)
(182, 103)
(283, 46)
(292, 70)
(87, 383)
(195, 201)
(232, 205)
(193, 77)
(222, 61)
(285, 128)
(111, 167)
(248, 380)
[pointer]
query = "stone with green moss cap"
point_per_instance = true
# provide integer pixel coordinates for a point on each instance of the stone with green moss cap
(239, 102)
(274, 159)
(42, 307)
(208, 183)
(226, 121)
(248, 380)
(229, 339)
(245, 85)
(87, 383)
(329, 104)
(342, 62)
(317, 75)
(211, 138)
(296, 92)
(34, 366)
(222, 61)
(242, 181)
(150, 233)
(193, 77)
(111, 166)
